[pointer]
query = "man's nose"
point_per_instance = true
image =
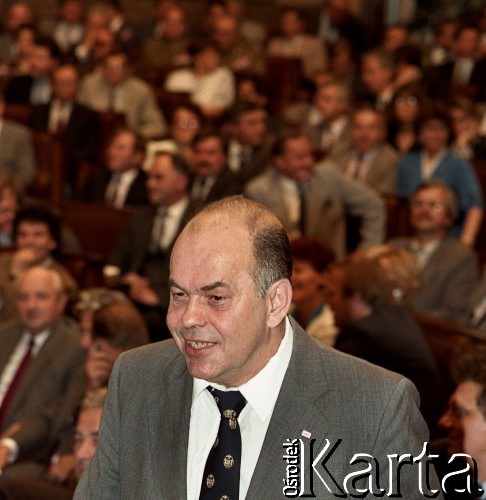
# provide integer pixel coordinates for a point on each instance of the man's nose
(447, 420)
(194, 314)
(85, 450)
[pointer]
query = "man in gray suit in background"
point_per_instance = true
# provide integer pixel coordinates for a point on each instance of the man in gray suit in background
(448, 269)
(230, 294)
(313, 199)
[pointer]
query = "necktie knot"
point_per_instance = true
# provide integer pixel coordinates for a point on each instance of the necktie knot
(230, 403)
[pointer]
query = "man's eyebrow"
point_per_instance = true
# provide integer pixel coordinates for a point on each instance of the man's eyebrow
(212, 286)
(205, 288)
(173, 283)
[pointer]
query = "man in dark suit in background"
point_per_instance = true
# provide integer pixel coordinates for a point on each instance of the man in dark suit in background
(249, 144)
(213, 179)
(141, 258)
(76, 125)
(466, 73)
(122, 181)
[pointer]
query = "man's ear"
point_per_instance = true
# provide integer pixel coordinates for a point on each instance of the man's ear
(279, 299)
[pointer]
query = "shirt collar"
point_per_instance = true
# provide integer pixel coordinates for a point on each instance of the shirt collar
(39, 339)
(261, 391)
(177, 209)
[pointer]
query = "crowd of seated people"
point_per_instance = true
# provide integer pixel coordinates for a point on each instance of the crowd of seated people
(332, 120)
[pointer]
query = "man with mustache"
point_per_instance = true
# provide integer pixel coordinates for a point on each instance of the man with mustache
(449, 270)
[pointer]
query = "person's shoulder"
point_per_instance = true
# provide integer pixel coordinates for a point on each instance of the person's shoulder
(263, 179)
(68, 329)
(136, 84)
(13, 127)
(343, 373)
(455, 248)
(388, 150)
(159, 356)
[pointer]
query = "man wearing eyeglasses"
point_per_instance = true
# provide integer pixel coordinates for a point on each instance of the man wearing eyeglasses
(448, 269)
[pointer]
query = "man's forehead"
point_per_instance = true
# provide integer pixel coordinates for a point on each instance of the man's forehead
(212, 239)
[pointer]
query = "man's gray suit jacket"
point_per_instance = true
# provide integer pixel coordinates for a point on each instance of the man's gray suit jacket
(330, 195)
(382, 169)
(142, 450)
(447, 279)
(56, 372)
(17, 158)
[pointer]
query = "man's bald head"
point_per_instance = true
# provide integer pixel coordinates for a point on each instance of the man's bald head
(40, 298)
(269, 241)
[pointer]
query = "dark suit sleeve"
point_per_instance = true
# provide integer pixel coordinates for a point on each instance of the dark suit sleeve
(132, 245)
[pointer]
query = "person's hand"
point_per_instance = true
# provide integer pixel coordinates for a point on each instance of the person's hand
(61, 469)
(21, 260)
(140, 289)
(98, 365)
(4, 452)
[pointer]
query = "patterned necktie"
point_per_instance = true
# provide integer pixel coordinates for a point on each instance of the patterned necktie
(221, 478)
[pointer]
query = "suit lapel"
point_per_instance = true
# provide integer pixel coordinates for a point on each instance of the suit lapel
(168, 427)
(9, 341)
(36, 371)
(434, 263)
(298, 408)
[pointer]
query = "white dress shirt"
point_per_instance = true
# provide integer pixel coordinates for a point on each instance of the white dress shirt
(172, 221)
(423, 251)
(261, 393)
(428, 164)
(119, 185)
(59, 112)
(290, 192)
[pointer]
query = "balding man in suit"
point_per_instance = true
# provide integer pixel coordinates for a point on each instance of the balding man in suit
(41, 362)
(240, 379)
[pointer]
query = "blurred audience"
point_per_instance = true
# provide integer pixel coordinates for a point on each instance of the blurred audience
(294, 42)
(209, 83)
(311, 258)
(36, 233)
(436, 161)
